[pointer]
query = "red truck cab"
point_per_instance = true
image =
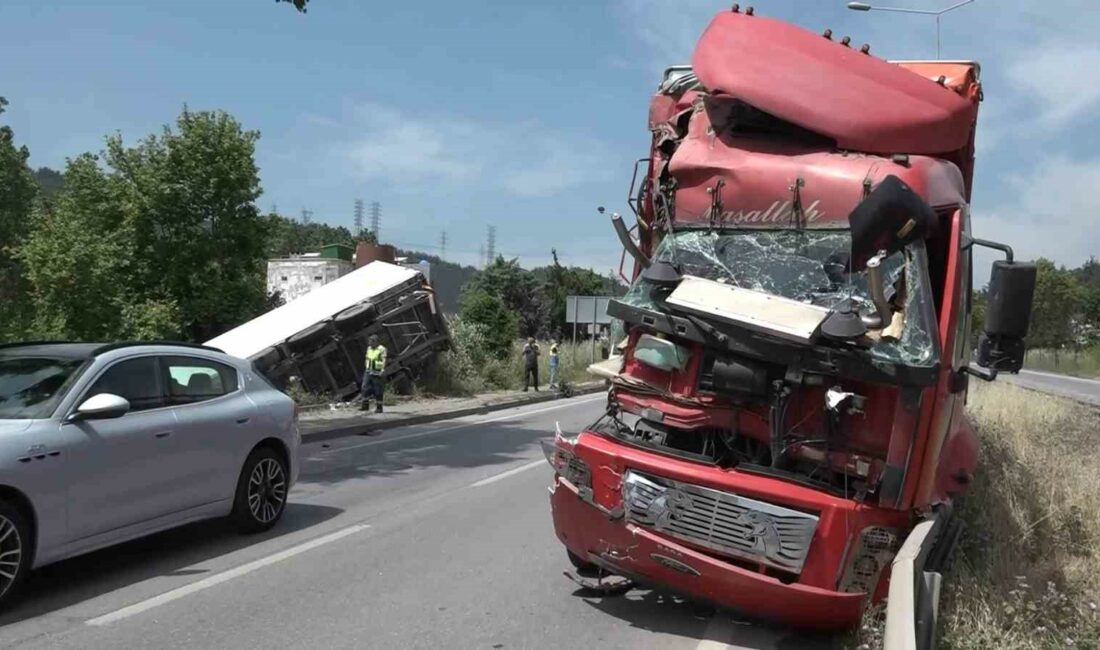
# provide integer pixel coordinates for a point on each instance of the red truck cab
(788, 401)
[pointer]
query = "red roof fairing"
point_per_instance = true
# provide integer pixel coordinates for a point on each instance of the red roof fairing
(862, 102)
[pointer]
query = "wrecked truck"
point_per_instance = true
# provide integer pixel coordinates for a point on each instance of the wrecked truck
(320, 339)
(788, 401)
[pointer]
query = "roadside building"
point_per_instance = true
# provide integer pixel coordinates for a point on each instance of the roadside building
(295, 276)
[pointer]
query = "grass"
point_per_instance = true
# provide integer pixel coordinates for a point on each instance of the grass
(462, 371)
(1079, 363)
(1027, 572)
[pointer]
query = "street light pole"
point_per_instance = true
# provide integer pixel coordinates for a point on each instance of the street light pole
(863, 6)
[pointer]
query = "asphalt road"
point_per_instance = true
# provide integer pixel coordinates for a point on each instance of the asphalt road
(433, 536)
(1085, 390)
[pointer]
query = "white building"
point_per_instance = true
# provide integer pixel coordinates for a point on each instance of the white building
(294, 277)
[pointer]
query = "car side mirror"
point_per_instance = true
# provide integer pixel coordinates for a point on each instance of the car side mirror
(889, 218)
(102, 406)
(1007, 315)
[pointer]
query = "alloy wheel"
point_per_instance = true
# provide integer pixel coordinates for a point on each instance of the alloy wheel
(266, 490)
(11, 553)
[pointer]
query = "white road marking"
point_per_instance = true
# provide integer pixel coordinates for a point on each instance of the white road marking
(218, 578)
(1090, 382)
(511, 472)
(510, 416)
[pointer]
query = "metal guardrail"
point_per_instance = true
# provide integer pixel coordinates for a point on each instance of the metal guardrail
(913, 601)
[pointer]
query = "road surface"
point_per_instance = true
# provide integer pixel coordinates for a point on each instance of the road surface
(1084, 390)
(433, 536)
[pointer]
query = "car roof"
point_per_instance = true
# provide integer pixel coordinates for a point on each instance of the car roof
(71, 350)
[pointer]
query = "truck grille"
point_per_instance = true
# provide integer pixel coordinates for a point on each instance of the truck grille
(719, 521)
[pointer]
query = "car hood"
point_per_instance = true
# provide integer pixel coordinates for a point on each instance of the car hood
(13, 426)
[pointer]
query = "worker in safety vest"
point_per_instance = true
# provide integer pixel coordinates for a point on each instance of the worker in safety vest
(554, 361)
(374, 382)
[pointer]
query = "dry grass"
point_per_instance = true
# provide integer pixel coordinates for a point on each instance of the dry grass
(1084, 362)
(1027, 574)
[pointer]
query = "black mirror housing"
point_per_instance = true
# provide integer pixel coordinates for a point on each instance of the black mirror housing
(891, 216)
(1008, 315)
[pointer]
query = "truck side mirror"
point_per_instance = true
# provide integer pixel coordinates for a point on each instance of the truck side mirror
(890, 217)
(1008, 313)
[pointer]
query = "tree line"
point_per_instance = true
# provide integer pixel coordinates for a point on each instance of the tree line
(163, 240)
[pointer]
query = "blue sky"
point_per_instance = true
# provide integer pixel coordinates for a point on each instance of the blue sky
(526, 116)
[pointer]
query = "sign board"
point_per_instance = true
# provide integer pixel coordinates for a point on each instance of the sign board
(587, 309)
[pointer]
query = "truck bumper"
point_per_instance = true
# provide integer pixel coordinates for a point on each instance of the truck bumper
(634, 552)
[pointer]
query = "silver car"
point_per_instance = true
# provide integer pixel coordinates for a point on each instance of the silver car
(100, 444)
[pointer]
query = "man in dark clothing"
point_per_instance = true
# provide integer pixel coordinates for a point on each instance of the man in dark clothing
(530, 364)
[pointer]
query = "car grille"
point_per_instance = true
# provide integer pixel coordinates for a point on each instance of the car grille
(720, 521)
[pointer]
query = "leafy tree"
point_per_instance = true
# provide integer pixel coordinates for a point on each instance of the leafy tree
(1058, 302)
(519, 290)
(49, 181)
(17, 193)
(198, 237)
(300, 5)
(448, 278)
(560, 282)
(287, 237)
(495, 323)
(80, 264)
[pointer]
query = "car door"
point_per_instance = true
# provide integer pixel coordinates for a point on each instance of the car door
(123, 468)
(214, 427)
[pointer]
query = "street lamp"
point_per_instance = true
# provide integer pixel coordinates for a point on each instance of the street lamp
(863, 6)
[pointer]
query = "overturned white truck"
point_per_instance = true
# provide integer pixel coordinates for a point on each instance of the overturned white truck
(321, 338)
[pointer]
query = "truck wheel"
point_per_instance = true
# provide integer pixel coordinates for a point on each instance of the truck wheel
(355, 318)
(15, 552)
(309, 339)
(261, 491)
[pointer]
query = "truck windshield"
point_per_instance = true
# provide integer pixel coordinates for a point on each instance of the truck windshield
(30, 387)
(809, 266)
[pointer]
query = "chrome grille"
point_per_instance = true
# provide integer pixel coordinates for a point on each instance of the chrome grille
(720, 521)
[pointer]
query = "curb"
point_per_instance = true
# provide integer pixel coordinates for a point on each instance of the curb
(366, 428)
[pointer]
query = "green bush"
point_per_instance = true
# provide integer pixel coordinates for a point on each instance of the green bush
(498, 326)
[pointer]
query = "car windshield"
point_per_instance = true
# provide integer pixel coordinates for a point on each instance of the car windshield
(30, 387)
(808, 266)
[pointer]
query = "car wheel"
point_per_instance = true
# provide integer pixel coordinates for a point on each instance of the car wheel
(15, 551)
(261, 491)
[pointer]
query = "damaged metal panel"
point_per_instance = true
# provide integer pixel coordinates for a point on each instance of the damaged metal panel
(809, 267)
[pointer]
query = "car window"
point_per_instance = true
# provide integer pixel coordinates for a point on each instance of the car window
(30, 387)
(133, 379)
(191, 379)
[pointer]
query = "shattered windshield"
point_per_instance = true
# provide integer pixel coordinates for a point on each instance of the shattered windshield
(808, 266)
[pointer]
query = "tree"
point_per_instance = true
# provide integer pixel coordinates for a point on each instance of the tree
(1058, 302)
(199, 240)
(560, 282)
(495, 323)
(17, 193)
(300, 5)
(518, 289)
(448, 278)
(49, 181)
(287, 237)
(80, 264)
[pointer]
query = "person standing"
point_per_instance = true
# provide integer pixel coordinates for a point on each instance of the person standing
(530, 364)
(554, 364)
(374, 379)
(605, 343)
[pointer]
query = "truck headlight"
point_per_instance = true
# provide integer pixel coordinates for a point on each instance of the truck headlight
(559, 453)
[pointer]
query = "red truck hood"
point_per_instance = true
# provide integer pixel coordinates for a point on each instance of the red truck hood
(862, 102)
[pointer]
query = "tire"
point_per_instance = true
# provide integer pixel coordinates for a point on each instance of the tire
(266, 359)
(15, 552)
(355, 318)
(261, 491)
(310, 338)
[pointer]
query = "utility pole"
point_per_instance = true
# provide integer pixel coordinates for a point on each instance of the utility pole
(376, 220)
(307, 215)
(491, 246)
(358, 217)
(443, 245)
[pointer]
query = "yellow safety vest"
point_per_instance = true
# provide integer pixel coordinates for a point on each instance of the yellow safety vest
(376, 359)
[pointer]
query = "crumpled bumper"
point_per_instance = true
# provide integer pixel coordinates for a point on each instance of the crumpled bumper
(647, 557)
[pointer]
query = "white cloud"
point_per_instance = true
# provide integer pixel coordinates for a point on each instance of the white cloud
(524, 159)
(1060, 80)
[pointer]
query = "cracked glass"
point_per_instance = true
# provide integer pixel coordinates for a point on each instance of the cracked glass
(808, 266)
